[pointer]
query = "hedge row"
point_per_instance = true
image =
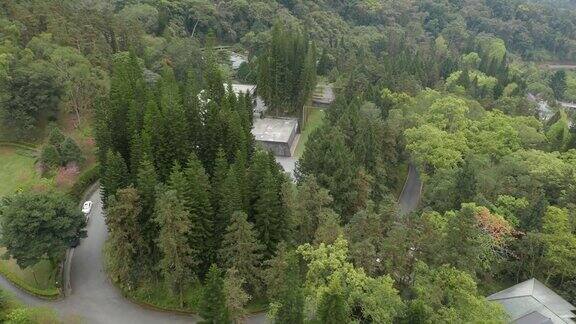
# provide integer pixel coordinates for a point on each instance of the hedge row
(87, 178)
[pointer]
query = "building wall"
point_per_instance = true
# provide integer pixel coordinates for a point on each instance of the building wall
(277, 148)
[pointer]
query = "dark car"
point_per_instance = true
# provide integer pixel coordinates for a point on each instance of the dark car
(75, 242)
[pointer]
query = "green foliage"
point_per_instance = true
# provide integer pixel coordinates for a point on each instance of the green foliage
(125, 242)
(213, 304)
(446, 295)
(177, 256)
(328, 269)
(39, 226)
(241, 250)
(287, 72)
(285, 287)
(558, 84)
(115, 174)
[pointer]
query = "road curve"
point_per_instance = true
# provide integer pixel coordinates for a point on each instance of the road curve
(410, 196)
(93, 298)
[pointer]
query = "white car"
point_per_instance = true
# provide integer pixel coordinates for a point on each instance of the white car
(87, 207)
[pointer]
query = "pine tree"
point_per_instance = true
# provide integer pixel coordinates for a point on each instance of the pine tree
(240, 170)
(268, 214)
(236, 296)
(177, 256)
(56, 137)
(193, 188)
(214, 81)
(125, 245)
(242, 251)
(231, 201)
(213, 303)
(172, 144)
(146, 183)
(285, 287)
(70, 152)
(115, 174)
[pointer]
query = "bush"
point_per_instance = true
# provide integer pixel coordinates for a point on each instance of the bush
(70, 152)
(50, 156)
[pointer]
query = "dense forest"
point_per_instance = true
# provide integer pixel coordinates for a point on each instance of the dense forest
(198, 213)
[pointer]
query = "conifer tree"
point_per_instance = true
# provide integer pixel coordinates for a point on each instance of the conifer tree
(70, 152)
(231, 201)
(285, 287)
(268, 214)
(214, 81)
(172, 145)
(213, 303)
(125, 244)
(193, 188)
(240, 170)
(146, 183)
(236, 296)
(115, 175)
(242, 251)
(177, 256)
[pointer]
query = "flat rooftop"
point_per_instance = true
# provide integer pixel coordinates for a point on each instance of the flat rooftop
(274, 129)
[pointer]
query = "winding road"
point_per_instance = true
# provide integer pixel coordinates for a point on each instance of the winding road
(93, 298)
(410, 196)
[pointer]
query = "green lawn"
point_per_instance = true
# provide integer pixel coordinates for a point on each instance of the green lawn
(39, 279)
(315, 119)
(17, 171)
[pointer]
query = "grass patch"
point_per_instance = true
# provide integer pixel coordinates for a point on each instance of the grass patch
(315, 120)
(17, 171)
(39, 280)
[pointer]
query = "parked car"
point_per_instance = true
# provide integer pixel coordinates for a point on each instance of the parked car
(75, 242)
(87, 207)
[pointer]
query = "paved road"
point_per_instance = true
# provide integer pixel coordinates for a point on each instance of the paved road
(94, 299)
(410, 196)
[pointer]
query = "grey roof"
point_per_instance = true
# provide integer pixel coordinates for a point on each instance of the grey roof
(532, 296)
(274, 129)
(533, 318)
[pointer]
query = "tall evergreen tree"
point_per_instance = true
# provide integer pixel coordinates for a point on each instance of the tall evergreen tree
(213, 303)
(242, 251)
(268, 214)
(193, 187)
(146, 183)
(115, 174)
(285, 287)
(177, 256)
(125, 245)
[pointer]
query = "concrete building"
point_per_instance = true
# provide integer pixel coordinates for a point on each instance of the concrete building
(323, 96)
(531, 302)
(278, 135)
